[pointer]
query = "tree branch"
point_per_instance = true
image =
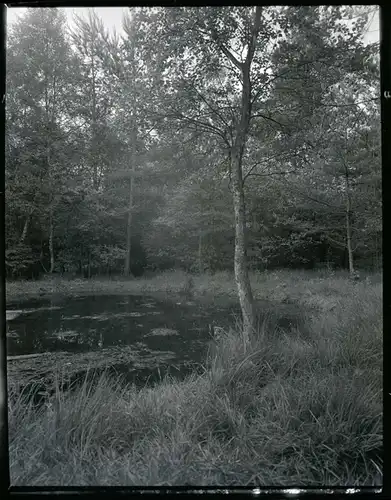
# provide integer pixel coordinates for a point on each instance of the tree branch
(261, 115)
(254, 34)
(306, 196)
(267, 175)
(206, 126)
(338, 243)
(278, 155)
(210, 106)
(225, 51)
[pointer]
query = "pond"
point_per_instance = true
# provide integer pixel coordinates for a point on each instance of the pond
(140, 337)
(101, 325)
(93, 322)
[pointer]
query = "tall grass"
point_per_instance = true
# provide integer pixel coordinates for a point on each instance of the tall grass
(297, 407)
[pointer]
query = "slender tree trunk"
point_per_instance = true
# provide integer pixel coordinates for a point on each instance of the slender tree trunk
(349, 236)
(129, 226)
(94, 141)
(200, 263)
(41, 257)
(89, 265)
(50, 117)
(242, 277)
(51, 215)
(132, 150)
(348, 221)
(25, 228)
(240, 260)
(51, 251)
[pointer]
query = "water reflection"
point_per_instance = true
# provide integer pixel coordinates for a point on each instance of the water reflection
(90, 323)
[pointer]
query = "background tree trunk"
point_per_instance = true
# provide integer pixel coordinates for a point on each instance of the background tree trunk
(51, 250)
(349, 236)
(25, 228)
(129, 227)
(94, 141)
(200, 263)
(348, 222)
(132, 150)
(89, 265)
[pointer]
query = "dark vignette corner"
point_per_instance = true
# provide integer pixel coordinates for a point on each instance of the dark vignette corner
(385, 75)
(385, 48)
(4, 462)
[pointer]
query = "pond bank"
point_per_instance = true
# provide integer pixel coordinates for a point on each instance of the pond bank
(314, 289)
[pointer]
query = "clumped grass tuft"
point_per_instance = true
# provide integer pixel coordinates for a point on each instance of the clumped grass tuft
(301, 407)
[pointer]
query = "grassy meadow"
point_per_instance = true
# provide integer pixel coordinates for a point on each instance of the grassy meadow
(299, 407)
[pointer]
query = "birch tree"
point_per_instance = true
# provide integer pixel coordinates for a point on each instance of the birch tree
(216, 71)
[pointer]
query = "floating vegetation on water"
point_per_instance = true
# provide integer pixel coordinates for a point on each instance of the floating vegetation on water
(99, 317)
(162, 331)
(12, 334)
(10, 315)
(110, 316)
(39, 309)
(141, 345)
(43, 368)
(48, 308)
(65, 334)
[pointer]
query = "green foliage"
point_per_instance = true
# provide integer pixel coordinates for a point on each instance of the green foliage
(87, 110)
(18, 259)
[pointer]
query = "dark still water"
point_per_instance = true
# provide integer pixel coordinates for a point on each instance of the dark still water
(91, 323)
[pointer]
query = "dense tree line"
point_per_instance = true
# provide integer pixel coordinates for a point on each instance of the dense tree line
(199, 138)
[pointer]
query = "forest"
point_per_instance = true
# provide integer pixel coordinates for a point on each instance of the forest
(121, 148)
(194, 248)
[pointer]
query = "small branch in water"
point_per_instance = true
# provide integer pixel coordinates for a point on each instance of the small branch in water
(26, 356)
